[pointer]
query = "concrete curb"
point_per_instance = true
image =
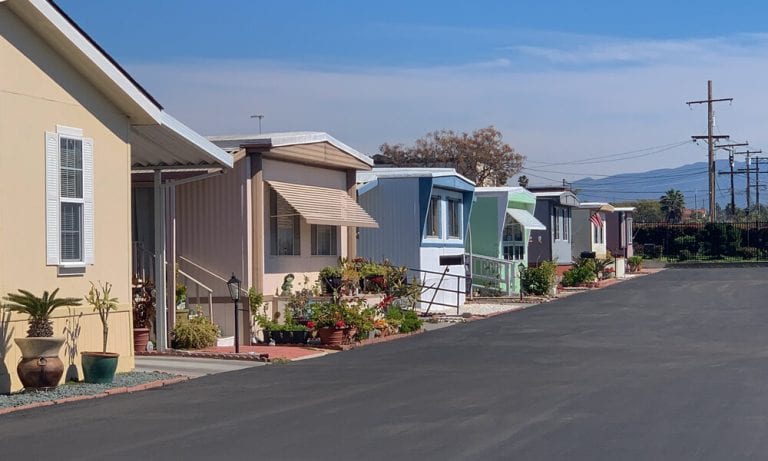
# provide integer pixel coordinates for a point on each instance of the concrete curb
(263, 357)
(107, 393)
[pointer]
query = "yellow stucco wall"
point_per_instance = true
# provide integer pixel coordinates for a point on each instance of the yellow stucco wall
(82, 329)
(39, 90)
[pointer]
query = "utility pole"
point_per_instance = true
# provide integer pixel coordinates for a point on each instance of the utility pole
(747, 171)
(757, 183)
(758, 161)
(258, 116)
(710, 137)
(729, 148)
(730, 173)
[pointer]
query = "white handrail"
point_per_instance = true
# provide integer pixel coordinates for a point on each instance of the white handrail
(212, 274)
(200, 284)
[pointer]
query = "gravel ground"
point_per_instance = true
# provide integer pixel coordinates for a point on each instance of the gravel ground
(486, 309)
(75, 389)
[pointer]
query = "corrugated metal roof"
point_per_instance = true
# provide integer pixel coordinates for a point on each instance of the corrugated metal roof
(599, 206)
(322, 205)
(526, 219)
(288, 138)
(408, 172)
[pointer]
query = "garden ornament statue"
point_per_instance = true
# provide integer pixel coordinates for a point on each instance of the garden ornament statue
(287, 287)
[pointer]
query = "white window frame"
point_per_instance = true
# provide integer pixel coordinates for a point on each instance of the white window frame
(437, 220)
(274, 234)
(334, 241)
(515, 247)
(459, 217)
(54, 200)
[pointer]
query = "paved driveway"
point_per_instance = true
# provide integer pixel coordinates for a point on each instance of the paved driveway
(193, 367)
(669, 366)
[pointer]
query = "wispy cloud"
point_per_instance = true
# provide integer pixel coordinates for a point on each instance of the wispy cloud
(587, 50)
(551, 112)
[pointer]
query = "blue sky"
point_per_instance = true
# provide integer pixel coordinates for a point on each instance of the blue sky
(562, 80)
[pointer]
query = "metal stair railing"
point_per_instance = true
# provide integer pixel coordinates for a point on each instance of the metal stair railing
(435, 288)
(199, 285)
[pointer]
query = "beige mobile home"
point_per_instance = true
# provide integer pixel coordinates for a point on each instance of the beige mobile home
(73, 125)
(288, 207)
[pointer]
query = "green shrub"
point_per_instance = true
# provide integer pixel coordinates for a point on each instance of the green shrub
(635, 263)
(489, 292)
(539, 280)
(578, 275)
(406, 321)
(686, 242)
(748, 252)
(195, 333)
(411, 322)
(684, 255)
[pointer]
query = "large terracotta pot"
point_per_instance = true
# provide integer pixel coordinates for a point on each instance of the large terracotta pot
(140, 339)
(40, 366)
(331, 336)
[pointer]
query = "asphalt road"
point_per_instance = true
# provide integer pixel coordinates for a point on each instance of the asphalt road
(669, 366)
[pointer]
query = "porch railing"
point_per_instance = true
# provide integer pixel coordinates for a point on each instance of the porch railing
(494, 273)
(188, 278)
(207, 271)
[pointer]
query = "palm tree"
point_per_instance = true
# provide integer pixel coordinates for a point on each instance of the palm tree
(38, 309)
(672, 204)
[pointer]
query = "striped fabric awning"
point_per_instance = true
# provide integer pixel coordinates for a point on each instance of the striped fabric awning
(322, 205)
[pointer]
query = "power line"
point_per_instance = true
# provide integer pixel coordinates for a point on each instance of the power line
(627, 155)
(710, 137)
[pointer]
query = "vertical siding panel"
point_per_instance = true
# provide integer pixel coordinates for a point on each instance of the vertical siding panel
(394, 204)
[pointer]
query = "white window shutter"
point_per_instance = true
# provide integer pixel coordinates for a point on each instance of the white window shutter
(52, 199)
(88, 236)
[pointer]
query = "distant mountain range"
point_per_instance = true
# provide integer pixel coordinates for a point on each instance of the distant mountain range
(690, 179)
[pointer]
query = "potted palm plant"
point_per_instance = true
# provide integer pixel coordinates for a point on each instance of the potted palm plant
(40, 366)
(99, 367)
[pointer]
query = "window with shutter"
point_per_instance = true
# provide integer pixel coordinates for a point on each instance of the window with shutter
(69, 198)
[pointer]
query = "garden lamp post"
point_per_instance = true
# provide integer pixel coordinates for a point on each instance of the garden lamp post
(234, 292)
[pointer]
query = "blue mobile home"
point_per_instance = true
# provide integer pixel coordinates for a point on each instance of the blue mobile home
(423, 214)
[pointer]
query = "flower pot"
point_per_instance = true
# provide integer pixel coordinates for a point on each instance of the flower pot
(278, 336)
(373, 283)
(331, 284)
(299, 336)
(40, 366)
(140, 339)
(330, 336)
(99, 367)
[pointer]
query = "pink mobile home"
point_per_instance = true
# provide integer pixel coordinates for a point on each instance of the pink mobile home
(288, 207)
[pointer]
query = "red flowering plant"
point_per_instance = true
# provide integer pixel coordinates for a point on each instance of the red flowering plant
(331, 315)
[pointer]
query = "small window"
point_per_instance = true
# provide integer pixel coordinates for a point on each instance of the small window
(71, 197)
(566, 222)
(512, 243)
(597, 226)
(557, 223)
(433, 217)
(324, 241)
(454, 218)
(284, 226)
